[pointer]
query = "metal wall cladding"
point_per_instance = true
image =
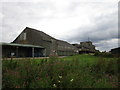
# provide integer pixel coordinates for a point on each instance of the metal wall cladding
(51, 45)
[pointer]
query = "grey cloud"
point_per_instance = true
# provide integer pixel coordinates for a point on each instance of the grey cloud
(106, 45)
(105, 28)
(17, 15)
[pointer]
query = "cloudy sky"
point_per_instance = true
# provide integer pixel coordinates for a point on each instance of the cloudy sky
(70, 20)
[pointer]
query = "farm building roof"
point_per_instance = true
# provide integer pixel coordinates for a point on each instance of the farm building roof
(21, 45)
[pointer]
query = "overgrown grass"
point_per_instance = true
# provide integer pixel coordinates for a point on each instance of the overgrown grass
(79, 71)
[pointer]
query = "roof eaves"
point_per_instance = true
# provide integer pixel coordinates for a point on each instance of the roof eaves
(22, 45)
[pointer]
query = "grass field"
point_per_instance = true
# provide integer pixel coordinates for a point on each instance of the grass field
(79, 71)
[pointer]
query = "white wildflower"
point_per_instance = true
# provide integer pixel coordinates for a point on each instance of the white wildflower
(54, 85)
(60, 76)
(59, 81)
(71, 80)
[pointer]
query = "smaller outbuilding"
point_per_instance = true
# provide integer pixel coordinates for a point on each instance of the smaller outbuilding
(115, 51)
(85, 47)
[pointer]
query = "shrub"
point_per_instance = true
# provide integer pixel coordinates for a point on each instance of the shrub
(81, 71)
(103, 54)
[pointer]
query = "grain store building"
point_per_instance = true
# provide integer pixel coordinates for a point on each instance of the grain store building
(43, 44)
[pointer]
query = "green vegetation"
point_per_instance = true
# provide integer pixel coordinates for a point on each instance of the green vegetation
(79, 71)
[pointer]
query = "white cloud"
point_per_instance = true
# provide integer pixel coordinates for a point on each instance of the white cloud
(59, 1)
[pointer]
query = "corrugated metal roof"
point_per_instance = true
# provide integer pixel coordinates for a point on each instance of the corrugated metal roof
(21, 45)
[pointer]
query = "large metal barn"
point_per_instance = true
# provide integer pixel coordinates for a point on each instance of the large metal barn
(52, 45)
